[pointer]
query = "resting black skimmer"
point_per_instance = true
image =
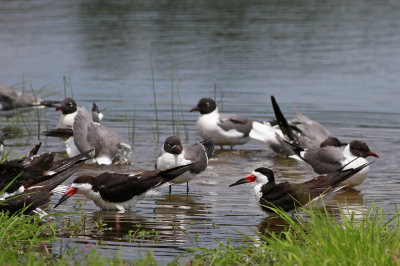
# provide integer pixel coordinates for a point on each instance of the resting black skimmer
(223, 129)
(288, 196)
(330, 156)
(174, 154)
(303, 131)
(31, 179)
(114, 191)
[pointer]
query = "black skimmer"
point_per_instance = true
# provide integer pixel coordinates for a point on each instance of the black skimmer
(17, 175)
(174, 154)
(223, 129)
(330, 156)
(11, 98)
(303, 131)
(28, 182)
(114, 191)
(288, 196)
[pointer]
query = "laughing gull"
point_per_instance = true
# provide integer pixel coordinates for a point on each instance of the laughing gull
(287, 196)
(174, 154)
(114, 191)
(302, 130)
(330, 157)
(11, 98)
(108, 146)
(69, 110)
(223, 129)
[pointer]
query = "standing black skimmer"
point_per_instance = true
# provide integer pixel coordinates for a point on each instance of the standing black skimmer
(330, 156)
(174, 154)
(288, 196)
(303, 131)
(114, 191)
(31, 179)
(223, 129)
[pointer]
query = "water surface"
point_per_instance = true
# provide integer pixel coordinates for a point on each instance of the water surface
(337, 62)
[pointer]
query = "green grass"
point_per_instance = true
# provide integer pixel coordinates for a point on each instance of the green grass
(320, 240)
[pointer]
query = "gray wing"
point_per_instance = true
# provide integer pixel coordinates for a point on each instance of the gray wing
(236, 122)
(80, 130)
(103, 139)
(91, 135)
(325, 160)
(196, 154)
(311, 129)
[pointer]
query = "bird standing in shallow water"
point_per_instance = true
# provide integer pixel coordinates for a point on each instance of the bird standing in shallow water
(223, 129)
(113, 191)
(174, 154)
(330, 156)
(288, 196)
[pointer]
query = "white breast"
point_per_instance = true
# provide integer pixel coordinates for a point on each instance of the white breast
(169, 160)
(207, 127)
(358, 178)
(66, 121)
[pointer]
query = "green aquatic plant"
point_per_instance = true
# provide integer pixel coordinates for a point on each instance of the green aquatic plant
(316, 238)
(154, 95)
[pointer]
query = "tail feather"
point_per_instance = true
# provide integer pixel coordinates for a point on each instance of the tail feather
(61, 165)
(174, 172)
(34, 151)
(348, 173)
(208, 146)
(282, 122)
(52, 183)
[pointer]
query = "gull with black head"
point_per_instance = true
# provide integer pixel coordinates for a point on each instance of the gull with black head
(223, 129)
(175, 154)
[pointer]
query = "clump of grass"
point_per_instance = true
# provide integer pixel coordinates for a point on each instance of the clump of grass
(20, 236)
(320, 240)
